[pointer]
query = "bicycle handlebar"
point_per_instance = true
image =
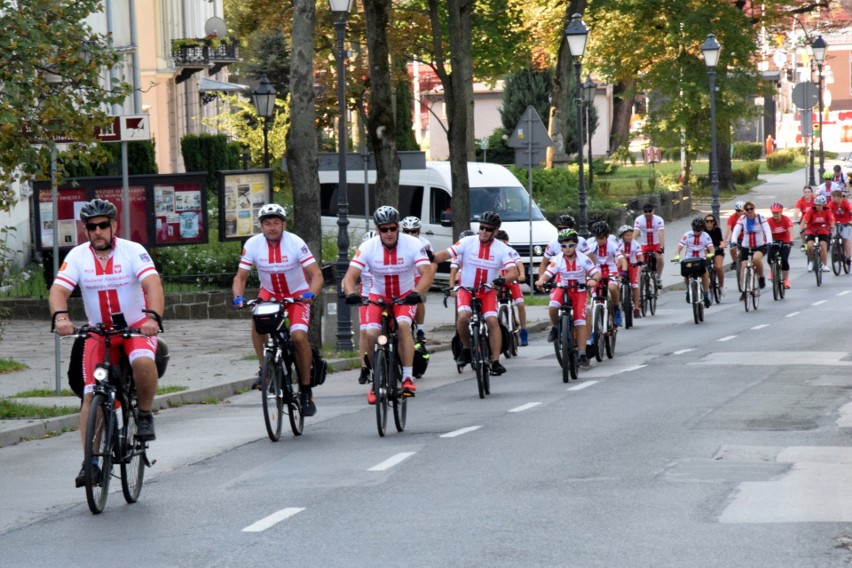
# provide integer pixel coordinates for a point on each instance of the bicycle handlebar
(100, 328)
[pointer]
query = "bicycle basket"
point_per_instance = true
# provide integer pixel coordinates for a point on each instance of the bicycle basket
(319, 368)
(692, 267)
(268, 317)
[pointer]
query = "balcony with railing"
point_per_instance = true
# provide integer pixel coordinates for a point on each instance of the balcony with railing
(191, 55)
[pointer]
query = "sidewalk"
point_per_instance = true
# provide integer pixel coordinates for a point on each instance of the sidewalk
(213, 359)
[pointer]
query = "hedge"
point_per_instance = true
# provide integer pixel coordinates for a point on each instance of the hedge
(748, 151)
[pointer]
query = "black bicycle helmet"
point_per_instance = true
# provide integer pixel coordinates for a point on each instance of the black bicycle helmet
(565, 221)
(698, 225)
(600, 229)
(491, 218)
(385, 215)
(98, 208)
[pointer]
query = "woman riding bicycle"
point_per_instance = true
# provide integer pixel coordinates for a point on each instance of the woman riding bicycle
(697, 244)
(632, 253)
(756, 237)
(573, 268)
(803, 205)
(711, 227)
(819, 222)
(782, 231)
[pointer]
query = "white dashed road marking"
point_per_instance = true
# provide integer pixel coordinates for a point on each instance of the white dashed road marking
(727, 338)
(273, 519)
(792, 315)
(761, 326)
(682, 351)
(819, 302)
(460, 431)
(582, 386)
(526, 406)
(392, 461)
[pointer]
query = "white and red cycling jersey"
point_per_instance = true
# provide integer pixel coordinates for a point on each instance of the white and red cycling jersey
(606, 254)
(393, 270)
(280, 266)
(755, 232)
(695, 245)
(572, 271)
(632, 252)
(649, 228)
(481, 262)
(110, 288)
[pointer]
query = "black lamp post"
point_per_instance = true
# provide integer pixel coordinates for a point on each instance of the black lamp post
(340, 10)
(263, 98)
(819, 46)
(589, 90)
(811, 181)
(576, 33)
(711, 49)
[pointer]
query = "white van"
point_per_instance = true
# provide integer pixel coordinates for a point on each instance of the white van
(425, 191)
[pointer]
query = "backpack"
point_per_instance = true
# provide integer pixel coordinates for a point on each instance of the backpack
(319, 368)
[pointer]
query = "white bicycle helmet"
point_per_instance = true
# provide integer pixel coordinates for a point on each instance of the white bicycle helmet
(411, 223)
(271, 210)
(369, 235)
(624, 229)
(738, 206)
(820, 200)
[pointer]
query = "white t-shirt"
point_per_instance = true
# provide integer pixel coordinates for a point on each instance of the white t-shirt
(393, 270)
(481, 262)
(648, 229)
(280, 267)
(109, 289)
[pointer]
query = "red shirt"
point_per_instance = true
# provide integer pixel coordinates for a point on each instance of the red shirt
(819, 222)
(842, 211)
(780, 228)
(804, 205)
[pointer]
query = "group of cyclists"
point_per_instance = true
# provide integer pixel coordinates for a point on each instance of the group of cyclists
(394, 262)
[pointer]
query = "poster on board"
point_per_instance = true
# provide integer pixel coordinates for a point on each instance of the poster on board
(241, 195)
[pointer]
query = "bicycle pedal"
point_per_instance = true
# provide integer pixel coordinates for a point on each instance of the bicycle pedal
(408, 394)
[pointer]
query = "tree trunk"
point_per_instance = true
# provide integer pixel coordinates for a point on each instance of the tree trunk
(563, 103)
(381, 125)
(621, 112)
(459, 110)
(302, 140)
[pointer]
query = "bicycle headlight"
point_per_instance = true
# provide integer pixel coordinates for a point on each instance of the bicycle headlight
(382, 340)
(101, 373)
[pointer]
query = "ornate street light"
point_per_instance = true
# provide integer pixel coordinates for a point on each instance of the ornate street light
(711, 49)
(589, 90)
(263, 98)
(340, 10)
(576, 33)
(819, 47)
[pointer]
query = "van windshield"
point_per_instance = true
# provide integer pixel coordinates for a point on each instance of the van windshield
(512, 203)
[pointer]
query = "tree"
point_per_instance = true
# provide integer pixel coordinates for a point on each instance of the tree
(523, 88)
(51, 69)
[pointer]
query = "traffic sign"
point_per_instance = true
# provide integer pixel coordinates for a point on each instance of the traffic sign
(806, 95)
(530, 131)
(126, 128)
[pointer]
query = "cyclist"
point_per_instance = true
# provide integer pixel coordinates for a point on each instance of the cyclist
(729, 230)
(782, 232)
(482, 258)
(411, 226)
(609, 259)
(365, 283)
(711, 226)
(455, 266)
(553, 248)
(286, 269)
(839, 176)
(829, 185)
(650, 230)
(819, 222)
(756, 236)
(515, 288)
(632, 259)
(803, 205)
(394, 260)
(697, 244)
(114, 275)
(842, 211)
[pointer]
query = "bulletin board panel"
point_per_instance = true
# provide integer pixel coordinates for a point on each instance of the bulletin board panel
(241, 195)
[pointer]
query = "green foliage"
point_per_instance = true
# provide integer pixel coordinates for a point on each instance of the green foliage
(405, 139)
(777, 160)
(498, 151)
(51, 66)
(746, 173)
(554, 189)
(11, 409)
(522, 89)
(208, 265)
(10, 366)
(267, 52)
(209, 153)
(747, 150)
(241, 123)
(105, 160)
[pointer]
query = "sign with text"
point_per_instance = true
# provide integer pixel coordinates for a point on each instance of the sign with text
(241, 195)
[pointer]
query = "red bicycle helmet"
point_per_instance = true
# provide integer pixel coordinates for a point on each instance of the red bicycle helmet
(776, 207)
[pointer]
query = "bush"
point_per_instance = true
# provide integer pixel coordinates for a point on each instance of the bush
(553, 189)
(779, 159)
(747, 151)
(207, 265)
(209, 153)
(746, 173)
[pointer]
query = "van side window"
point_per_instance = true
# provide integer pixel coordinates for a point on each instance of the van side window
(410, 200)
(441, 201)
(328, 199)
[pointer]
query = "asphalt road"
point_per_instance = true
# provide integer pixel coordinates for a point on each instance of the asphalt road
(724, 444)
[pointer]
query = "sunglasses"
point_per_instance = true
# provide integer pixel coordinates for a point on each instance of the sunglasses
(709, 220)
(411, 231)
(749, 208)
(487, 229)
(568, 245)
(392, 229)
(102, 225)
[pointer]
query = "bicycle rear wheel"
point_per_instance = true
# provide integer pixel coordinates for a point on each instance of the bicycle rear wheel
(694, 297)
(644, 292)
(97, 453)
(272, 396)
(746, 287)
(627, 305)
(380, 388)
(294, 405)
(598, 330)
(515, 331)
(505, 323)
(610, 335)
(133, 461)
(755, 292)
(478, 361)
(654, 293)
(398, 399)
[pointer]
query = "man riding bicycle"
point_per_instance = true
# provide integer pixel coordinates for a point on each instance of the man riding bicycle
(553, 247)
(649, 230)
(697, 244)
(115, 276)
(394, 261)
(411, 226)
(842, 211)
(286, 269)
(633, 258)
(756, 236)
(482, 257)
(609, 260)
(819, 223)
(572, 268)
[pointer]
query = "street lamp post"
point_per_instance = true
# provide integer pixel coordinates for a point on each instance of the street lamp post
(340, 10)
(263, 98)
(819, 46)
(589, 90)
(576, 33)
(711, 49)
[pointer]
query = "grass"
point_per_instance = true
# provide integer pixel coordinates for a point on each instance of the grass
(11, 409)
(170, 389)
(42, 393)
(10, 366)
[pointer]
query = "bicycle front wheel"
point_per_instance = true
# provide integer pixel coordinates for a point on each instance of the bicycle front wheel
(755, 292)
(564, 349)
(695, 298)
(655, 291)
(271, 395)
(380, 389)
(97, 453)
(478, 361)
(133, 462)
(598, 330)
(399, 400)
(836, 256)
(627, 305)
(818, 266)
(644, 292)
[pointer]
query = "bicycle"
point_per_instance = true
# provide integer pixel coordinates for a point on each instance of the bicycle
(110, 436)
(565, 344)
(817, 256)
(279, 382)
(839, 260)
(387, 370)
(750, 289)
(778, 288)
(604, 330)
(480, 348)
(715, 289)
(507, 315)
(627, 300)
(648, 286)
(692, 269)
